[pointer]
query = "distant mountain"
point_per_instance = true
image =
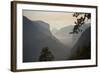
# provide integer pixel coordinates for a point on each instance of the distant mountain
(37, 35)
(82, 48)
(64, 35)
(65, 30)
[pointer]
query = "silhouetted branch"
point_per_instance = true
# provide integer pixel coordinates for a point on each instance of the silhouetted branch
(80, 21)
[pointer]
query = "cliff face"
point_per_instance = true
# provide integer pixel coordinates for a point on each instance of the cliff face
(37, 35)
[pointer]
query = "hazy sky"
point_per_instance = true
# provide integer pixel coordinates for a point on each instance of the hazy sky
(57, 20)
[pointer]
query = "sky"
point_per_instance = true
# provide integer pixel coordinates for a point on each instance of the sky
(56, 20)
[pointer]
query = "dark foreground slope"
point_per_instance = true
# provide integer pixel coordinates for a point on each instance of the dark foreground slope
(82, 49)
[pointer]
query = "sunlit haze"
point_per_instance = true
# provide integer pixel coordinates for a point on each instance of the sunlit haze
(56, 20)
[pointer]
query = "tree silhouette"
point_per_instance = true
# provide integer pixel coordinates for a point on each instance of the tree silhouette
(46, 55)
(79, 21)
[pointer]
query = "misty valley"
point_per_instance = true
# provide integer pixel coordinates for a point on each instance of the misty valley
(39, 44)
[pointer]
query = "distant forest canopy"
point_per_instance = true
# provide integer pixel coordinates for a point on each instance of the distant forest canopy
(80, 20)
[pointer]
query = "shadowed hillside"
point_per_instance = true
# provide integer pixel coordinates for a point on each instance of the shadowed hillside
(82, 48)
(37, 35)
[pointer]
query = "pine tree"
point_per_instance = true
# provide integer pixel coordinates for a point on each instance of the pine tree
(46, 55)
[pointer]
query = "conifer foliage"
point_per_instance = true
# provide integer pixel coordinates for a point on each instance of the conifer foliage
(46, 55)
